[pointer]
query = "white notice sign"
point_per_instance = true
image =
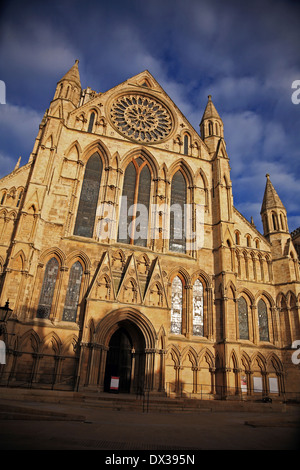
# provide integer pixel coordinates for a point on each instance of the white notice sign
(244, 384)
(257, 385)
(114, 383)
(273, 385)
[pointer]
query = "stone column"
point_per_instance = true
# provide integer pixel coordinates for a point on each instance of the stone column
(254, 323)
(208, 312)
(212, 371)
(249, 375)
(102, 366)
(162, 366)
(187, 317)
(265, 382)
(149, 368)
(195, 379)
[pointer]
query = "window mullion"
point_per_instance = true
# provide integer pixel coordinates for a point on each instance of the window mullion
(135, 201)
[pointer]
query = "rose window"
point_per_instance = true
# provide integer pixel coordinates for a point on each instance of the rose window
(141, 118)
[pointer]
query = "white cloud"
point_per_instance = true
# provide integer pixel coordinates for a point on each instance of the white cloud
(7, 164)
(36, 46)
(243, 134)
(275, 139)
(19, 127)
(20, 122)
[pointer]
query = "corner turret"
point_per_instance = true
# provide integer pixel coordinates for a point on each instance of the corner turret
(68, 89)
(273, 212)
(211, 126)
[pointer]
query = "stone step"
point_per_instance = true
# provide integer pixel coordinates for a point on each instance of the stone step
(153, 403)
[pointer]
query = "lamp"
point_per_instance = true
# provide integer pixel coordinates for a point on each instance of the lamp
(5, 313)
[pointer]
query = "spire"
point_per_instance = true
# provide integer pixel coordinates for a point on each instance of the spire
(211, 126)
(210, 111)
(273, 212)
(68, 91)
(18, 164)
(271, 199)
(73, 74)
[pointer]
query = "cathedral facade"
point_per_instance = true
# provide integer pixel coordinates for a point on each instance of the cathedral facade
(122, 255)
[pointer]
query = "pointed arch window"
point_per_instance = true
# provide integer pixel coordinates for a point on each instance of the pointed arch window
(186, 144)
(91, 122)
(86, 213)
(134, 212)
(275, 221)
(47, 292)
(263, 320)
(73, 291)
(176, 306)
(177, 214)
(282, 221)
(19, 198)
(198, 308)
(243, 318)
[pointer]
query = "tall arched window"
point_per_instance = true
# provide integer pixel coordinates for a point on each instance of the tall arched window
(263, 320)
(86, 213)
(282, 222)
(47, 292)
(198, 308)
(73, 291)
(186, 144)
(176, 306)
(243, 318)
(275, 221)
(19, 198)
(91, 122)
(134, 211)
(177, 214)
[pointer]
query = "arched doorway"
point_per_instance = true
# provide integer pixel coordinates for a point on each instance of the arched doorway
(119, 361)
(126, 358)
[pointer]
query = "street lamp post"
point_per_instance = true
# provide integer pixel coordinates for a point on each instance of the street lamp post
(5, 313)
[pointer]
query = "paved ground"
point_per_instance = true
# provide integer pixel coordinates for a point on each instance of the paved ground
(86, 427)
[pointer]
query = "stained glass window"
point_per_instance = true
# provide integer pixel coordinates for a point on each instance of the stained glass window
(177, 225)
(243, 318)
(86, 213)
(47, 292)
(263, 321)
(176, 306)
(198, 308)
(134, 211)
(141, 118)
(72, 296)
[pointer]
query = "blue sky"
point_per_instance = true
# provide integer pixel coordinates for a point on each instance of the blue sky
(245, 54)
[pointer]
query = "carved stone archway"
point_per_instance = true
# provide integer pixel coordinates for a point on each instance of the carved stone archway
(137, 334)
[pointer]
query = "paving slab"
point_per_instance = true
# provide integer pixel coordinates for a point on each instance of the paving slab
(80, 425)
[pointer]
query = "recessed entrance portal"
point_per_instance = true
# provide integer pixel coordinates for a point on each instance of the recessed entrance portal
(126, 358)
